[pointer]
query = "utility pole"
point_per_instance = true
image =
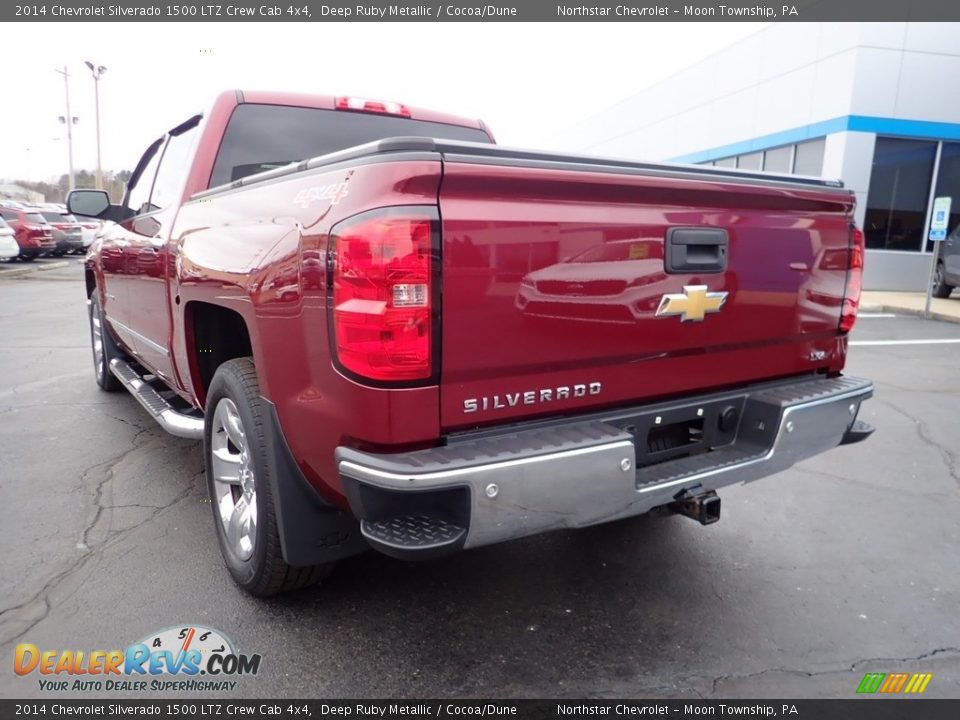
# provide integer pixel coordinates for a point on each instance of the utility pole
(97, 71)
(69, 121)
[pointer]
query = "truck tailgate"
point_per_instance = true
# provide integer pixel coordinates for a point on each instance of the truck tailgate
(554, 285)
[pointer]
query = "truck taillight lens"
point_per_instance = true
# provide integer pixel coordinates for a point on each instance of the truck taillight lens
(854, 284)
(382, 266)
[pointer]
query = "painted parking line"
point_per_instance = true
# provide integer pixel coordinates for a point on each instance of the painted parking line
(875, 315)
(934, 341)
(53, 265)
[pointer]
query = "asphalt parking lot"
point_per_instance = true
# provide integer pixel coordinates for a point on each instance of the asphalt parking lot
(846, 564)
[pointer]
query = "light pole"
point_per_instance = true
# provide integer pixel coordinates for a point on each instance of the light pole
(97, 71)
(68, 120)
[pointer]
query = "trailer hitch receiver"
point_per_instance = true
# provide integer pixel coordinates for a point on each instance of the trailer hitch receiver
(699, 504)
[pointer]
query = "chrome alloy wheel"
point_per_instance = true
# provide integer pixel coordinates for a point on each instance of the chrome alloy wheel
(234, 481)
(96, 334)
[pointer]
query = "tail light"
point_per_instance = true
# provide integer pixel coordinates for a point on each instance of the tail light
(382, 293)
(854, 284)
(374, 106)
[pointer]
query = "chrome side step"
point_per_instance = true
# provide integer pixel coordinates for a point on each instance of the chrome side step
(175, 423)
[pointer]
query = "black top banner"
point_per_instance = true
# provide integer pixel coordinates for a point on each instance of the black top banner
(480, 11)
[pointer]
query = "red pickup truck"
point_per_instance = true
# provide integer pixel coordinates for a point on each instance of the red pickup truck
(390, 332)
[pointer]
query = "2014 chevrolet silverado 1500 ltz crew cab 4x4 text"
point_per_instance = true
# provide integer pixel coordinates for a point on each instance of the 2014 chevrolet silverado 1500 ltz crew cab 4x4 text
(391, 333)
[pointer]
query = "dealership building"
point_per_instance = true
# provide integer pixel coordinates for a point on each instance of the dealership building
(876, 105)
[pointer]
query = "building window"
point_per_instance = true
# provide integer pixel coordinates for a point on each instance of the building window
(899, 190)
(948, 184)
(808, 159)
(778, 159)
(751, 161)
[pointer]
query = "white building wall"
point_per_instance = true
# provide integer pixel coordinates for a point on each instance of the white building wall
(784, 77)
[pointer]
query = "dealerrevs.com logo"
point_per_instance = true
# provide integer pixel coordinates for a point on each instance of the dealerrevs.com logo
(189, 658)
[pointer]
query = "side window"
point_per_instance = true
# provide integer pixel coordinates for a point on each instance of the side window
(138, 197)
(7, 215)
(173, 168)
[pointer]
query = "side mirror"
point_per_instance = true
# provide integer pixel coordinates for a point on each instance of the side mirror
(89, 203)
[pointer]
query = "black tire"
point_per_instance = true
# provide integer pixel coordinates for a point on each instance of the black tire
(264, 572)
(57, 253)
(28, 258)
(107, 381)
(940, 287)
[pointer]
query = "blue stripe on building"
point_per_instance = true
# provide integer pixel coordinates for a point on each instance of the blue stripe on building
(852, 123)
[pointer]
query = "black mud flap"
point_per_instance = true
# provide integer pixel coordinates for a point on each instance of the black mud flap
(311, 531)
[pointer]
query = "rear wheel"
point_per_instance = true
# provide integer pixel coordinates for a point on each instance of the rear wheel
(940, 287)
(103, 346)
(238, 482)
(28, 258)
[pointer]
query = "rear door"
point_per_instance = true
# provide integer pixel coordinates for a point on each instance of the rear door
(116, 257)
(557, 297)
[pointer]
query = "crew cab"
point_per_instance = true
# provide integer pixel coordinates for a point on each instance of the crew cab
(391, 333)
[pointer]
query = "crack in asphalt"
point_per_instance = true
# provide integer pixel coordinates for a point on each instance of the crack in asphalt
(950, 460)
(90, 550)
(911, 491)
(817, 673)
(60, 380)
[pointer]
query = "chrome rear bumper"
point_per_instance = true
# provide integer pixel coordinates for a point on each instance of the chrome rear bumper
(576, 473)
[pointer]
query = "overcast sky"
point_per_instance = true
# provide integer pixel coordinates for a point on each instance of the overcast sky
(528, 81)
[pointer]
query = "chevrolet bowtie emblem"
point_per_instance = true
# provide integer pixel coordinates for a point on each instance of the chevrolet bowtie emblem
(692, 304)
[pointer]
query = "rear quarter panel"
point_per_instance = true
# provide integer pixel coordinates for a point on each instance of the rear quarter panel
(261, 251)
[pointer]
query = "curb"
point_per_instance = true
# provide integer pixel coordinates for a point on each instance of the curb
(942, 317)
(53, 266)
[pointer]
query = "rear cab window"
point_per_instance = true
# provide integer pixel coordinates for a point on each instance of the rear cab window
(263, 137)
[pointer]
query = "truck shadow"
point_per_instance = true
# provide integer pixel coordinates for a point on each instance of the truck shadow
(543, 616)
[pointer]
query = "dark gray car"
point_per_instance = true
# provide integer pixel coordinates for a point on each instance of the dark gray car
(67, 232)
(947, 274)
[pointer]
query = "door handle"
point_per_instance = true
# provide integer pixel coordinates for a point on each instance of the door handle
(696, 250)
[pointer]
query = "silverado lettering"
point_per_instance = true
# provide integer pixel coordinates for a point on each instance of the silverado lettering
(472, 344)
(530, 397)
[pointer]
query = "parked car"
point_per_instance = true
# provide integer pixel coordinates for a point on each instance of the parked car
(33, 233)
(322, 290)
(947, 273)
(8, 241)
(67, 232)
(90, 228)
